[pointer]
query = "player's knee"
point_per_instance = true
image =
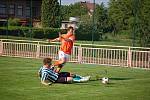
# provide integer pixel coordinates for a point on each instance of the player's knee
(63, 60)
(69, 79)
(61, 65)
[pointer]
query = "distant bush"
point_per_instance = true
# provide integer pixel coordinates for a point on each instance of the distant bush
(13, 21)
(51, 33)
(85, 32)
(38, 33)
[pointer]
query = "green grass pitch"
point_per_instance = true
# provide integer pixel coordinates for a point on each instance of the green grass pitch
(19, 81)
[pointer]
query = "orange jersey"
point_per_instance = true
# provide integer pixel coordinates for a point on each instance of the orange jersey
(66, 46)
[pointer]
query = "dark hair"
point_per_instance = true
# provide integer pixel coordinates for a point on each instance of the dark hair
(70, 27)
(47, 61)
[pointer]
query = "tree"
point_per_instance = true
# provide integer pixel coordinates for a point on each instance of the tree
(120, 12)
(101, 18)
(73, 10)
(50, 13)
(131, 16)
(144, 33)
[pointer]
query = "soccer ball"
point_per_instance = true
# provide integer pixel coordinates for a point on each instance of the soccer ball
(105, 80)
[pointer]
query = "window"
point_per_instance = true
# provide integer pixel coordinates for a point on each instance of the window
(35, 10)
(27, 12)
(2, 9)
(11, 9)
(19, 10)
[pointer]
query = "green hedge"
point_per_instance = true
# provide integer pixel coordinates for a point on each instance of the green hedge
(48, 33)
(27, 32)
(85, 32)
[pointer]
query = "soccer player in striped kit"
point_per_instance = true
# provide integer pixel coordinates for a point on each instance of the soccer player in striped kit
(48, 75)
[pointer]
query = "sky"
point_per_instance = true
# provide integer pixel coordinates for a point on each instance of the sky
(67, 2)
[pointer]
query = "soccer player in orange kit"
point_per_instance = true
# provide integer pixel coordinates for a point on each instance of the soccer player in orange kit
(67, 41)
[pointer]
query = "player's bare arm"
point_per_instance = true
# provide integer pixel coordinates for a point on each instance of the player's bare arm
(53, 40)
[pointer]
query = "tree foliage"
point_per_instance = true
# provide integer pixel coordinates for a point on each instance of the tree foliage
(74, 10)
(131, 16)
(50, 13)
(120, 15)
(101, 18)
(145, 23)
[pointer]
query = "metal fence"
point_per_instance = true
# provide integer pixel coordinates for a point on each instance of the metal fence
(124, 56)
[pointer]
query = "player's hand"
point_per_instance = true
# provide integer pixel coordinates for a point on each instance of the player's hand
(50, 83)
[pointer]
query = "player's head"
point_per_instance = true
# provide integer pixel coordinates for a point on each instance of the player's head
(70, 29)
(47, 61)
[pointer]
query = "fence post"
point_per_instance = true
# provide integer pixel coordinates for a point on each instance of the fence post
(129, 57)
(38, 50)
(1, 47)
(80, 54)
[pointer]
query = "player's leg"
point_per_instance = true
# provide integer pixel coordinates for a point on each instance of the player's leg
(64, 80)
(75, 77)
(72, 79)
(62, 60)
(60, 63)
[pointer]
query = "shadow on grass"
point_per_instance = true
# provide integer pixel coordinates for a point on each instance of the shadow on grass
(120, 78)
(112, 78)
(95, 84)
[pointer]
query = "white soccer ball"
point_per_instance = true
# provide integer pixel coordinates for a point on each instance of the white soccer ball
(105, 80)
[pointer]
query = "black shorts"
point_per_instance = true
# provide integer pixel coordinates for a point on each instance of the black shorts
(62, 77)
(61, 80)
(64, 74)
